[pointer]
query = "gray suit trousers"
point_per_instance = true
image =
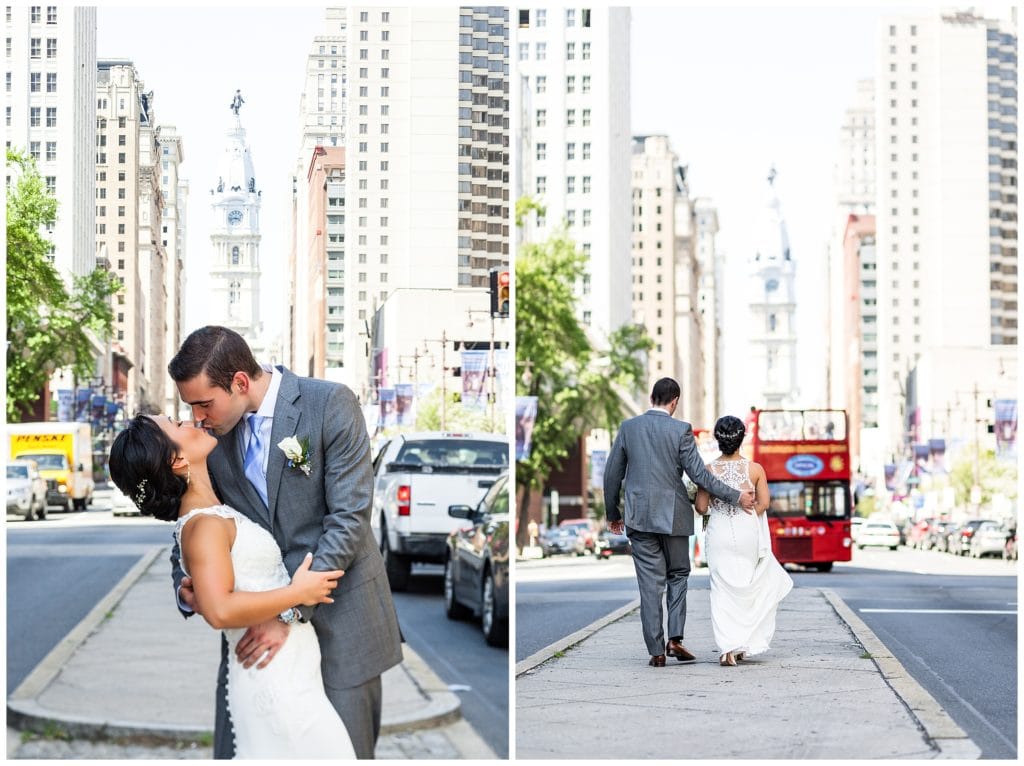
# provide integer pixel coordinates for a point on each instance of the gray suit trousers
(662, 563)
(359, 708)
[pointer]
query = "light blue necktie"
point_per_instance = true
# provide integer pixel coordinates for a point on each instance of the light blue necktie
(253, 465)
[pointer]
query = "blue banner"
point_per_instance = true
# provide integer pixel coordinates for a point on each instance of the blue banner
(405, 404)
(1006, 428)
(388, 412)
(526, 417)
(474, 379)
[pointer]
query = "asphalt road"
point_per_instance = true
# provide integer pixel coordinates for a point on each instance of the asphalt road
(966, 660)
(457, 652)
(58, 569)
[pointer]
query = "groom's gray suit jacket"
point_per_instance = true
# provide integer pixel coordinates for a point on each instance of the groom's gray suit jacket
(650, 454)
(327, 513)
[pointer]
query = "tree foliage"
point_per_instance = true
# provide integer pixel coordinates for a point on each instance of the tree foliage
(47, 327)
(577, 387)
(995, 476)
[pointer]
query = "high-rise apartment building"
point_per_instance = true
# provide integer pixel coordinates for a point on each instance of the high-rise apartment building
(50, 92)
(174, 191)
(128, 221)
(421, 108)
(709, 269)
(946, 186)
(856, 335)
(573, 142)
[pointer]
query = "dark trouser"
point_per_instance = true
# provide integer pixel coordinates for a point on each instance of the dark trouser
(358, 706)
(662, 562)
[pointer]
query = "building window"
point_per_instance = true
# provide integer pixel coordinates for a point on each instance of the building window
(586, 150)
(570, 150)
(542, 51)
(33, 118)
(35, 14)
(542, 151)
(570, 84)
(586, 83)
(51, 117)
(524, 51)
(120, 211)
(542, 181)
(51, 47)
(586, 184)
(542, 118)
(570, 117)
(51, 82)
(570, 51)
(236, 256)
(586, 51)
(586, 218)
(51, 151)
(51, 184)
(542, 83)
(34, 80)
(570, 184)
(586, 118)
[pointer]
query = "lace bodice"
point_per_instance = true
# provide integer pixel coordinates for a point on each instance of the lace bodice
(736, 474)
(255, 556)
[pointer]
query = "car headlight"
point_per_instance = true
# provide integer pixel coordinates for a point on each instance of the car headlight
(62, 488)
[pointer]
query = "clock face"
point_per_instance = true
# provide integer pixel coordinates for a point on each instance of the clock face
(235, 217)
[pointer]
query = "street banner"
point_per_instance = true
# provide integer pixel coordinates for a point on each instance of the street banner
(598, 460)
(388, 415)
(1006, 428)
(404, 404)
(112, 410)
(83, 398)
(474, 377)
(65, 405)
(503, 371)
(526, 416)
(937, 454)
(890, 476)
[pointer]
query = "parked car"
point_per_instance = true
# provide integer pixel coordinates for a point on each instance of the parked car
(918, 532)
(562, 540)
(417, 476)
(1010, 549)
(959, 540)
(121, 504)
(937, 536)
(26, 490)
(476, 564)
(610, 544)
(586, 529)
(990, 538)
(855, 524)
(882, 533)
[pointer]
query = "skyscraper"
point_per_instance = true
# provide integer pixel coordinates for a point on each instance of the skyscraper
(174, 191)
(574, 144)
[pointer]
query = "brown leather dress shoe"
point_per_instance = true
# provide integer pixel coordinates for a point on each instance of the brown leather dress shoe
(657, 661)
(680, 652)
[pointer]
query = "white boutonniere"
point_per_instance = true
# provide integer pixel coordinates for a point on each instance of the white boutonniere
(297, 453)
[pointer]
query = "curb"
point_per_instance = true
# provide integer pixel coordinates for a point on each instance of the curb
(550, 650)
(26, 714)
(940, 731)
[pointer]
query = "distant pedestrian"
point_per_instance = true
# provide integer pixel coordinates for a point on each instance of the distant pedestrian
(533, 530)
(649, 457)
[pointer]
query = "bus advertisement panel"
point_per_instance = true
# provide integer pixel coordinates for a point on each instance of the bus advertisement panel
(806, 458)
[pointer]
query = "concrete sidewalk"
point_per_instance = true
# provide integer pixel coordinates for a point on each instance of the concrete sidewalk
(134, 672)
(827, 689)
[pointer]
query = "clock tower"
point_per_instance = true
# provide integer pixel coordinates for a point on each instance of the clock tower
(234, 289)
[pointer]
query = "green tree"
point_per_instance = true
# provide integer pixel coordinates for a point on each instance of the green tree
(576, 390)
(994, 476)
(457, 417)
(47, 327)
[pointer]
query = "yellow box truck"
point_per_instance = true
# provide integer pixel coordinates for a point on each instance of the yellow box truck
(64, 454)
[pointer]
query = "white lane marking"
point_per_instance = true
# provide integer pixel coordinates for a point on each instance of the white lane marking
(939, 611)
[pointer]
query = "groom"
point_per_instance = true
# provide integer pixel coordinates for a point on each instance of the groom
(325, 510)
(651, 452)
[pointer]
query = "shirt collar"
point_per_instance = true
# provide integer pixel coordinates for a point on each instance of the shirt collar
(266, 409)
(657, 410)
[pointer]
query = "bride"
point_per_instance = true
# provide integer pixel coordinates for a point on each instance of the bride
(280, 711)
(747, 582)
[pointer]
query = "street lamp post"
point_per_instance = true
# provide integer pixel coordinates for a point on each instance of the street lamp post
(444, 375)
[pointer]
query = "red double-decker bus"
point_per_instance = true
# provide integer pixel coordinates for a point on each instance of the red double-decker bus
(806, 457)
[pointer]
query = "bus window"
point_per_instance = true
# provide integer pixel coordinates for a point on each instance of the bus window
(819, 499)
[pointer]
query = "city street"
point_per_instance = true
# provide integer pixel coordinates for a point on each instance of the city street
(59, 568)
(962, 649)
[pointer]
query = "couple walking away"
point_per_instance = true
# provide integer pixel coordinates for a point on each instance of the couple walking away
(270, 491)
(649, 456)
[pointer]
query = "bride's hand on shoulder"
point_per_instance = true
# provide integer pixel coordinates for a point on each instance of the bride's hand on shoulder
(312, 588)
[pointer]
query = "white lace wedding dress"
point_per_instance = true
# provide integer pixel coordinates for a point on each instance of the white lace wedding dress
(282, 710)
(747, 581)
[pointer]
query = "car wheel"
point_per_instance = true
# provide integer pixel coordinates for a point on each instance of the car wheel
(825, 566)
(397, 566)
(452, 608)
(495, 630)
(41, 510)
(893, 547)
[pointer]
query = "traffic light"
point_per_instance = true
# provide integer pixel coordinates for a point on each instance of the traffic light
(500, 296)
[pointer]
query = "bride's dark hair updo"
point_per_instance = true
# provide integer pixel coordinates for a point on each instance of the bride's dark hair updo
(729, 432)
(140, 465)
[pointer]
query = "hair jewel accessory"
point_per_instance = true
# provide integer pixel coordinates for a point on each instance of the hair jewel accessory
(140, 494)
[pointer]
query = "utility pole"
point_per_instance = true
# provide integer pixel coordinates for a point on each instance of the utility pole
(444, 376)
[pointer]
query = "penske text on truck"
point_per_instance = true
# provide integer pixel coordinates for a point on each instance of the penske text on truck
(64, 454)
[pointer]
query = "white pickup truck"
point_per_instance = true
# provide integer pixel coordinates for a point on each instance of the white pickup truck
(416, 477)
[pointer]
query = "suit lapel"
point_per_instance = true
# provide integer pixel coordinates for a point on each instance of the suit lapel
(286, 421)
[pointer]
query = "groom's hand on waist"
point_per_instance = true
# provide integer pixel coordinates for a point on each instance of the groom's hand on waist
(747, 500)
(267, 638)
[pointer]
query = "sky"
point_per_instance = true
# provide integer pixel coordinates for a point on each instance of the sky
(193, 60)
(739, 90)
